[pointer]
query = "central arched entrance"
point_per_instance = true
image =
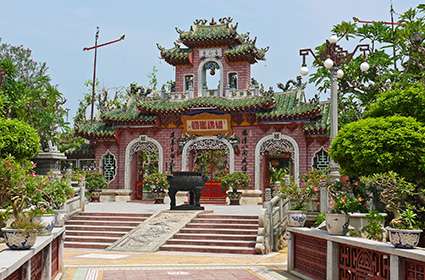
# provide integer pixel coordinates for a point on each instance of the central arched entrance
(212, 156)
(204, 144)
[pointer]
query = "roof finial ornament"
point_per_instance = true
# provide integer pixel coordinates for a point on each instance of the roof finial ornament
(200, 21)
(179, 30)
(159, 47)
(213, 22)
(176, 45)
(225, 20)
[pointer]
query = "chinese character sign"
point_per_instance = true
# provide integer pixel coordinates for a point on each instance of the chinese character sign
(206, 124)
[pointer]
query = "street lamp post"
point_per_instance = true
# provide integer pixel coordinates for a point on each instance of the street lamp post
(333, 57)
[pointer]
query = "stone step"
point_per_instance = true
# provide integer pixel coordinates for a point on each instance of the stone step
(137, 215)
(208, 249)
(95, 233)
(221, 226)
(225, 221)
(207, 242)
(108, 218)
(218, 231)
(205, 236)
(102, 223)
(94, 239)
(98, 228)
(216, 216)
(88, 245)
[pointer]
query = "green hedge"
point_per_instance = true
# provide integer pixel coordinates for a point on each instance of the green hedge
(377, 145)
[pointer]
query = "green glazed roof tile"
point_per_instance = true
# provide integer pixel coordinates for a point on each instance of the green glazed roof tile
(224, 104)
(94, 129)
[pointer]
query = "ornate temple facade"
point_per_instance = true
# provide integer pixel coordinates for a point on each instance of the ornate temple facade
(251, 129)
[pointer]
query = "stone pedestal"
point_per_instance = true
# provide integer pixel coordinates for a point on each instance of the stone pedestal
(49, 162)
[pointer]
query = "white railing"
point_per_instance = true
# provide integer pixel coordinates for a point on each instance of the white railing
(272, 225)
(77, 203)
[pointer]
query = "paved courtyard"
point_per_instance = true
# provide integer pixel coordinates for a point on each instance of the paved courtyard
(101, 264)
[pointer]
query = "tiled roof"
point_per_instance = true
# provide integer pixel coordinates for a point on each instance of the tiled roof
(220, 103)
(321, 125)
(131, 113)
(95, 129)
(176, 55)
(289, 106)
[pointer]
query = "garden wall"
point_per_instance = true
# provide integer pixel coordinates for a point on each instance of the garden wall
(314, 254)
(44, 261)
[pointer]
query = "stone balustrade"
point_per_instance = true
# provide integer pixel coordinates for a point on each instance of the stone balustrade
(314, 254)
(43, 261)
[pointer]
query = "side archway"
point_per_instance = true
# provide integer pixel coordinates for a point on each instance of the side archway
(142, 142)
(276, 142)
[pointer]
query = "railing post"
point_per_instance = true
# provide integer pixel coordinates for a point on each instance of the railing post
(395, 268)
(291, 252)
(332, 261)
(269, 208)
(82, 195)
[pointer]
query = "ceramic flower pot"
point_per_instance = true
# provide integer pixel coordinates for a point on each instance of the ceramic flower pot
(404, 238)
(18, 239)
(95, 196)
(158, 197)
(47, 221)
(60, 217)
(359, 220)
(296, 218)
(336, 224)
(234, 197)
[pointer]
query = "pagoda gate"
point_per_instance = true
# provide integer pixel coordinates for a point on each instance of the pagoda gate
(214, 112)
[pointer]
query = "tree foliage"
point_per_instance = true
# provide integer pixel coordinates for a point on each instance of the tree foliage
(18, 139)
(409, 101)
(27, 93)
(403, 45)
(377, 145)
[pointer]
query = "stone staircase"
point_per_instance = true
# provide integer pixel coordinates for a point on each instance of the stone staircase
(209, 233)
(99, 230)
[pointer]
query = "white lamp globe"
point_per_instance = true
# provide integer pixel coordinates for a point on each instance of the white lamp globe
(333, 39)
(339, 73)
(304, 70)
(328, 63)
(364, 66)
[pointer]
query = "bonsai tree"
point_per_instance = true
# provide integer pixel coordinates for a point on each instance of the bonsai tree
(234, 181)
(156, 182)
(343, 200)
(95, 181)
(14, 190)
(298, 196)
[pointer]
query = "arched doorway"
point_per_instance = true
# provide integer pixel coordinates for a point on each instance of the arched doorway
(143, 155)
(278, 150)
(212, 156)
(210, 75)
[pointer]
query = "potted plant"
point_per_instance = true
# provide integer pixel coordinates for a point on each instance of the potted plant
(396, 194)
(21, 233)
(298, 196)
(374, 229)
(343, 202)
(95, 182)
(51, 194)
(157, 183)
(231, 184)
(277, 177)
(404, 231)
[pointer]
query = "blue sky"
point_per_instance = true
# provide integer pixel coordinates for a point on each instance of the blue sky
(57, 31)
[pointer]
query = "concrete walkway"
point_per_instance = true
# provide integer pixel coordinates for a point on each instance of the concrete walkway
(138, 207)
